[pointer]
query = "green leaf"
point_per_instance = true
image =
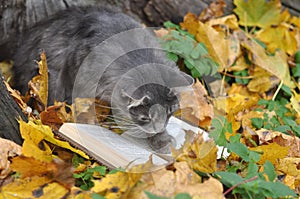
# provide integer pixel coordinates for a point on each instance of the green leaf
(282, 128)
(218, 132)
(100, 169)
(269, 170)
(182, 196)
(297, 57)
(152, 196)
(97, 196)
(296, 70)
(257, 122)
(228, 178)
(277, 189)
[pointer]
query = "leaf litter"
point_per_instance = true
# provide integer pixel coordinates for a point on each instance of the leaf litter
(254, 112)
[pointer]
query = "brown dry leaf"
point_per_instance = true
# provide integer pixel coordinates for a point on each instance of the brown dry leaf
(38, 85)
(293, 142)
(54, 116)
(190, 23)
(8, 150)
(90, 110)
(215, 9)
(229, 21)
(34, 187)
(161, 32)
(168, 183)
(199, 154)
(197, 109)
(18, 99)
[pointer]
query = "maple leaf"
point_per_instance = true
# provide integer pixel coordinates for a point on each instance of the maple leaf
(199, 154)
(168, 183)
(279, 37)
(259, 13)
(39, 84)
(215, 9)
(276, 65)
(8, 149)
(34, 136)
(54, 116)
(196, 109)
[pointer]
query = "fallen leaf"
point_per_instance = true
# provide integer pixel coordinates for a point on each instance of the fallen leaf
(90, 110)
(57, 170)
(196, 109)
(114, 186)
(34, 187)
(271, 152)
(38, 85)
(259, 13)
(276, 65)
(279, 37)
(227, 46)
(199, 154)
(55, 115)
(18, 99)
(8, 150)
(215, 9)
(168, 183)
(34, 144)
(229, 21)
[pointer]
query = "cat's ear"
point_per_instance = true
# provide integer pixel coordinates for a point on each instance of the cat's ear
(135, 102)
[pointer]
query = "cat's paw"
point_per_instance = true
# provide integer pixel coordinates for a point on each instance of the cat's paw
(162, 142)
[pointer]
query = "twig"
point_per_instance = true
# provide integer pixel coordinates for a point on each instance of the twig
(238, 184)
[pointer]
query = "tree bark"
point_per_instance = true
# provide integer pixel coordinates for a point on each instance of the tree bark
(9, 113)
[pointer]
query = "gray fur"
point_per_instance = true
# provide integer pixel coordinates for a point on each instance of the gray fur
(71, 40)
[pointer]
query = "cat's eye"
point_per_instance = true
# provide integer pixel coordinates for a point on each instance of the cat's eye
(144, 118)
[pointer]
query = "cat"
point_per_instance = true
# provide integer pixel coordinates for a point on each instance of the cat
(97, 52)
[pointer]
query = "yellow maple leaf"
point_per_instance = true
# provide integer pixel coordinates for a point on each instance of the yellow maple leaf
(271, 152)
(276, 65)
(227, 46)
(259, 13)
(279, 37)
(39, 84)
(34, 187)
(34, 134)
(116, 185)
(199, 154)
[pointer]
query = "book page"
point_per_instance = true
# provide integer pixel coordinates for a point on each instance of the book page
(107, 146)
(123, 150)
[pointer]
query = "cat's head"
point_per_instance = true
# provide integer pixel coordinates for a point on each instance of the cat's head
(150, 107)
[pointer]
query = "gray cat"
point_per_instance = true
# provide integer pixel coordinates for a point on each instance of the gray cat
(96, 52)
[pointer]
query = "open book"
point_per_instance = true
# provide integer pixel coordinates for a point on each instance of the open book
(115, 150)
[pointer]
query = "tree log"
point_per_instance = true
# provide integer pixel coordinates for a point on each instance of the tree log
(9, 113)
